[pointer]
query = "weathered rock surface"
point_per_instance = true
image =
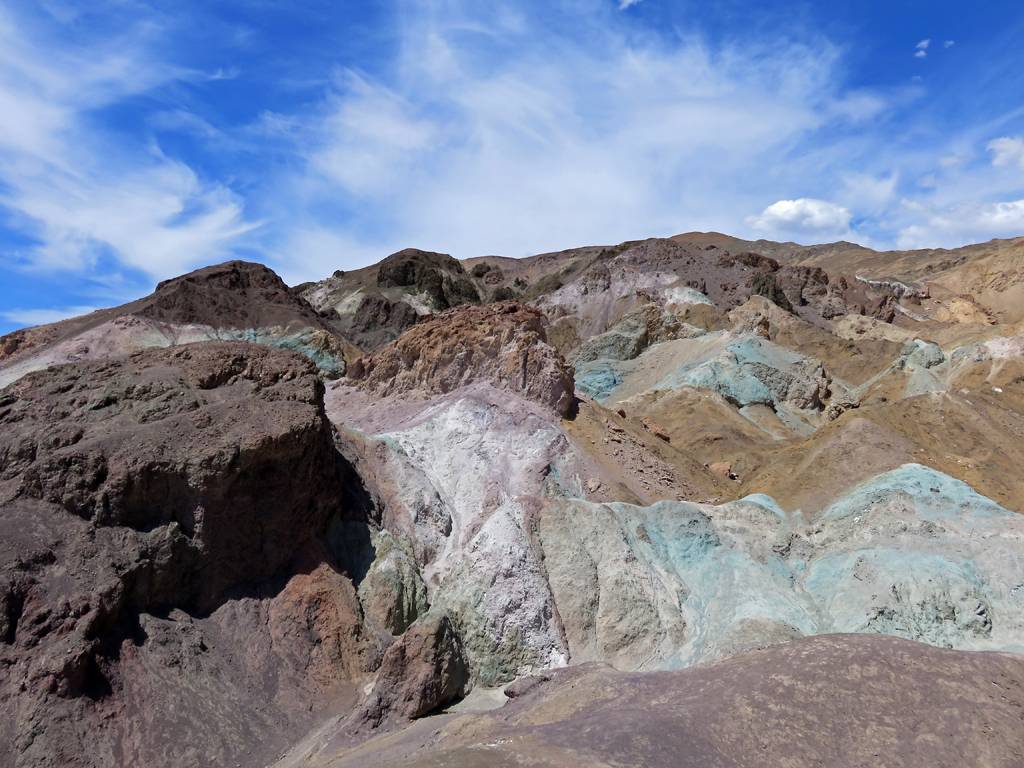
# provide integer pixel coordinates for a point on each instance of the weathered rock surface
(234, 301)
(460, 484)
(168, 595)
(504, 345)
(637, 330)
(421, 672)
(436, 275)
(392, 592)
(374, 305)
(839, 700)
(912, 553)
(197, 567)
(745, 369)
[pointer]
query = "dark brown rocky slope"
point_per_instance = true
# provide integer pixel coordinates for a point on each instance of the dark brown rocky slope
(168, 595)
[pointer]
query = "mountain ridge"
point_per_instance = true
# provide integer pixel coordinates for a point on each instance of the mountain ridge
(431, 486)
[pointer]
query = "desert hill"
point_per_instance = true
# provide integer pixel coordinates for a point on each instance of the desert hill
(443, 512)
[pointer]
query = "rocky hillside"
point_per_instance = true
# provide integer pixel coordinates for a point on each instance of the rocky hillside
(235, 301)
(918, 707)
(434, 512)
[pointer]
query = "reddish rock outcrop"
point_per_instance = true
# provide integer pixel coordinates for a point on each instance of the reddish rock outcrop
(502, 344)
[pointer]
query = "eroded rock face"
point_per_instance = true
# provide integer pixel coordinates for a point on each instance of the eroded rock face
(503, 344)
(190, 574)
(912, 553)
(392, 592)
(162, 523)
(235, 294)
(646, 325)
(424, 670)
(436, 275)
(377, 320)
(226, 444)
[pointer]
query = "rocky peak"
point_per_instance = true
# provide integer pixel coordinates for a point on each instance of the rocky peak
(503, 344)
(237, 294)
(439, 276)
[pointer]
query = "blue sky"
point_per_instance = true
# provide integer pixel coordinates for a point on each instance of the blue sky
(139, 140)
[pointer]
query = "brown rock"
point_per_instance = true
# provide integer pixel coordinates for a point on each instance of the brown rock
(844, 701)
(163, 550)
(524, 685)
(657, 431)
(723, 469)
(502, 344)
(437, 275)
(423, 671)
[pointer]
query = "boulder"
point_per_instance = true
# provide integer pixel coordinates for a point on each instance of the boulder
(423, 671)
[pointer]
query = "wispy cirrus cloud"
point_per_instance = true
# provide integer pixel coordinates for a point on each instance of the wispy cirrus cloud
(79, 192)
(1007, 151)
(139, 143)
(517, 139)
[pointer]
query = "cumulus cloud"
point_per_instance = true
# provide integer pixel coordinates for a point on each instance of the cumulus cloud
(624, 4)
(804, 217)
(1007, 150)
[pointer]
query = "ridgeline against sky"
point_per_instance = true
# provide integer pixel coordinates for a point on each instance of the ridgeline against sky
(142, 140)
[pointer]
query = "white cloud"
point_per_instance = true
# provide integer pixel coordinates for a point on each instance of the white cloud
(372, 138)
(41, 316)
(160, 220)
(960, 224)
(920, 54)
(624, 4)
(1007, 150)
(923, 44)
(804, 216)
(869, 193)
(949, 43)
(83, 195)
(468, 151)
